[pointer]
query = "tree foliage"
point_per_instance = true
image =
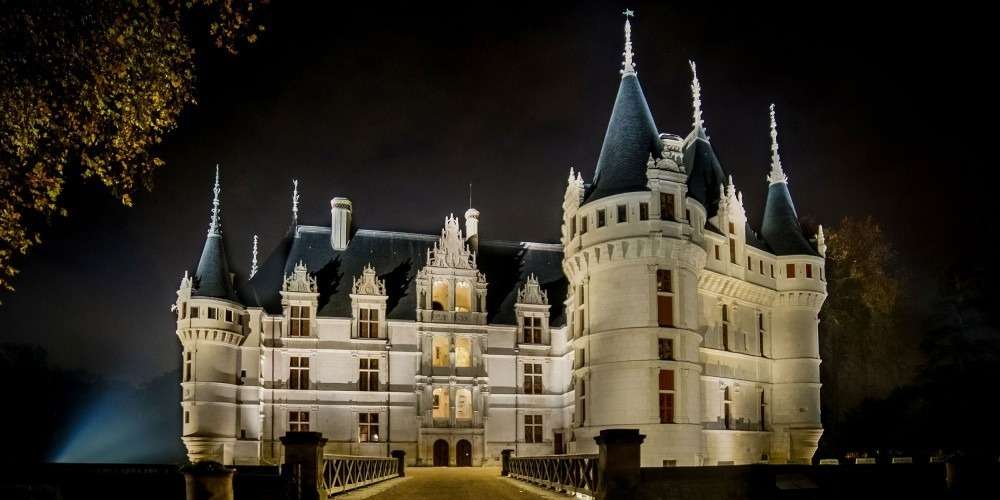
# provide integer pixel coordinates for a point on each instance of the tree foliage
(89, 88)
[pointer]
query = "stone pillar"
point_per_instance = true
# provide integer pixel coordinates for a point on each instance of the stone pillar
(400, 457)
(304, 463)
(618, 462)
(505, 462)
(208, 481)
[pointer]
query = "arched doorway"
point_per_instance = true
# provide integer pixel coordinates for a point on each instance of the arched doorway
(441, 453)
(463, 453)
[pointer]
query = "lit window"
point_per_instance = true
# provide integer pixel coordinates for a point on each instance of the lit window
(644, 211)
(601, 218)
(666, 348)
(440, 408)
(622, 213)
(299, 321)
(367, 323)
(463, 296)
(532, 428)
(368, 374)
(666, 396)
(532, 378)
(368, 427)
(441, 351)
(463, 352)
(532, 330)
(298, 421)
(298, 373)
(463, 404)
(440, 296)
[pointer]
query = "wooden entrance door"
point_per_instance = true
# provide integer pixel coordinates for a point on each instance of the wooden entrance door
(463, 453)
(441, 454)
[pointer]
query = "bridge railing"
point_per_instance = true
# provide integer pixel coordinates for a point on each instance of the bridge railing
(346, 472)
(568, 473)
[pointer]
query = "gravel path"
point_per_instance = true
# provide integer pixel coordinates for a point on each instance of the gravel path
(442, 483)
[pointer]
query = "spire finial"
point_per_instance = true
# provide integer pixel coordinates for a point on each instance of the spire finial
(470, 195)
(215, 227)
(628, 67)
(253, 260)
(295, 201)
(777, 173)
(696, 97)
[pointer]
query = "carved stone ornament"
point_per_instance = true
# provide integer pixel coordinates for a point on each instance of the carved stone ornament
(184, 291)
(368, 283)
(299, 280)
(532, 293)
(450, 250)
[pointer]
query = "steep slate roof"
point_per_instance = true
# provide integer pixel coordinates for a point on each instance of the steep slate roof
(630, 139)
(705, 173)
(212, 278)
(397, 257)
(780, 227)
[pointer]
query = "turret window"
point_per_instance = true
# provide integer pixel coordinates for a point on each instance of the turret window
(601, 218)
(643, 211)
(772, 270)
(761, 268)
(666, 349)
(213, 313)
(229, 315)
(532, 378)
(667, 211)
(790, 270)
(717, 257)
(298, 322)
(583, 225)
(368, 323)
(732, 250)
(809, 270)
(368, 374)
(188, 366)
(666, 396)
(664, 297)
(622, 213)
(532, 330)
(532, 428)
(298, 421)
(298, 373)
(368, 427)
(195, 312)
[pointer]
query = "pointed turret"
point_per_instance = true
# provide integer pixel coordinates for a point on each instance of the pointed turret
(705, 174)
(780, 227)
(630, 139)
(212, 277)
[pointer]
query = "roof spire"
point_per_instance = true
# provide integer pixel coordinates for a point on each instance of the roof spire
(253, 260)
(295, 201)
(628, 67)
(215, 226)
(696, 97)
(777, 173)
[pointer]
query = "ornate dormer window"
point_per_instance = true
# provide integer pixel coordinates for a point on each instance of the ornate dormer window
(450, 288)
(368, 304)
(300, 298)
(532, 309)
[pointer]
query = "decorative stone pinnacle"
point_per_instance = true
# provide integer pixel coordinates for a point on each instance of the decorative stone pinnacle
(821, 241)
(253, 260)
(215, 226)
(777, 173)
(295, 201)
(571, 174)
(368, 283)
(696, 97)
(628, 67)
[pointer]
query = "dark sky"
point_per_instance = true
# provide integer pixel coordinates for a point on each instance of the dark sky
(399, 108)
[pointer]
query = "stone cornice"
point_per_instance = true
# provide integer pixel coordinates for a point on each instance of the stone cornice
(711, 282)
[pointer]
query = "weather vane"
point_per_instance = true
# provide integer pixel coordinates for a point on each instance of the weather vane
(628, 13)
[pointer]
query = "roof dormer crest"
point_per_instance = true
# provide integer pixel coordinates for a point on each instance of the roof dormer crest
(450, 250)
(299, 280)
(368, 283)
(532, 293)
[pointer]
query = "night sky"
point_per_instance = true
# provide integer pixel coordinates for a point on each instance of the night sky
(400, 108)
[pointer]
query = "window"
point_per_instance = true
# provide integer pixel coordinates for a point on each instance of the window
(727, 412)
(188, 365)
(749, 263)
(463, 404)
(666, 396)
(440, 295)
(572, 227)
(717, 257)
(243, 433)
(532, 428)
(789, 270)
(772, 270)
(298, 373)
(298, 324)
(368, 427)
(622, 213)
(463, 296)
(580, 359)
(213, 313)
(763, 412)
(441, 354)
(732, 228)
(298, 421)
(666, 348)
(187, 417)
(821, 278)
(732, 250)
(440, 407)
(644, 211)
(532, 378)
(667, 207)
(687, 214)
(601, 218)
(809, 270)
(760, 333)
(725, 327)
(581, 317)
(581, 400)
(368, 323)
(368, 374)
(183, 310)
(761, 268)
(229, 315)
(532, 330)
(463, 352)
(583, 225)
(664, 298)
(194, 311)
(243, 378)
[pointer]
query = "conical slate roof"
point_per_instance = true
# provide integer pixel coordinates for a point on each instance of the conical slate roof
(212, 277)
(628, 142)
(705, 173)
(780, 228)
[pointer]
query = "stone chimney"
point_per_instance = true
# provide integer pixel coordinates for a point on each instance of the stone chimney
(340, 227)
